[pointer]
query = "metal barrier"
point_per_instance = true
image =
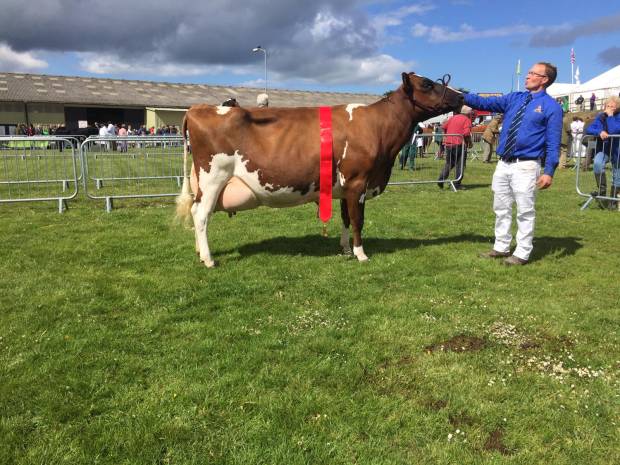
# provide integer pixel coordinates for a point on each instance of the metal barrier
(428, 166)
(132, 167)
(41, 168)
(603, 159)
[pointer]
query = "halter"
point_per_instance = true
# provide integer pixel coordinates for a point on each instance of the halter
(444, 80)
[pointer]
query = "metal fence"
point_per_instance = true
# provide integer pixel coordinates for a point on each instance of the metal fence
(431, 159)
(597, 171)
(132, 167)
(39, 169)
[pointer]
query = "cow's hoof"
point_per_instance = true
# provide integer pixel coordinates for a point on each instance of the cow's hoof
(362, 258)
(209, 263)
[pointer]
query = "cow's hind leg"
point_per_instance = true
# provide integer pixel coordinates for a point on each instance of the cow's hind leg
(345, 241)
(210, 184)
(355, 206)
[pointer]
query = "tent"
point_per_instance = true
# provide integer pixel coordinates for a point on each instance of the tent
(604, 85)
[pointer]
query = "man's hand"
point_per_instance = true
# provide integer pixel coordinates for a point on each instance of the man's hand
(604, 135)
(544, 181)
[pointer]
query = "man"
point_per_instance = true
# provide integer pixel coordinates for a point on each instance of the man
(488, 138)
(410, 149)
(531, 132)
(458, 128)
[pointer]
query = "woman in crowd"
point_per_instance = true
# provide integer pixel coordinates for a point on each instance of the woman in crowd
(605, 125)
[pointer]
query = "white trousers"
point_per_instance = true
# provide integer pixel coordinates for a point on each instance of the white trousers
(515, 183)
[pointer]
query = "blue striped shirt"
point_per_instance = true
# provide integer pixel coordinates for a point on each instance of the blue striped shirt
(540, 132)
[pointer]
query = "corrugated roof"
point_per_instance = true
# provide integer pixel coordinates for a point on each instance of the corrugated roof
(75, 90)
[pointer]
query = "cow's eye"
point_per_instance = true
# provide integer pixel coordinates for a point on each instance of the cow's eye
(428, 84)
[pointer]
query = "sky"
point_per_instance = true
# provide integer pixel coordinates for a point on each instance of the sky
(322, 45)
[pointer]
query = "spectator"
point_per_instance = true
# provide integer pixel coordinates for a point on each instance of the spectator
(489, 136)
(580, 102)
(565, 104)
(531, 132)
(606, 124)
(458, 130)
(576, 131)
(409, 150)
(122, 132)
(438, 138)
(593, 102)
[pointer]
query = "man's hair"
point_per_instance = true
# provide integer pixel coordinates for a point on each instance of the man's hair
(551, 71)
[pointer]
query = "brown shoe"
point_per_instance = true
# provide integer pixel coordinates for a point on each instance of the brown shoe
(494, 254)
(514, 261)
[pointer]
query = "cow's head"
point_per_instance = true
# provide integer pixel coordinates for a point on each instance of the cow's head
(431, 97)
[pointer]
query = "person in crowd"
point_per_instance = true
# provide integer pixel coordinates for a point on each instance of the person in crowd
(421, 142)
(489, 136)
(593, 102)
(605, 125)
(122, 132)
(579, 101)
(409, 150)
(576, 131)
(438, 138)
(458, 130)
(565, 104)
(531, 132)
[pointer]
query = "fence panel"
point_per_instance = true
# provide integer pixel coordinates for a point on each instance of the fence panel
(597, 170)
(132, 167)
(44, 168)
(431, 159)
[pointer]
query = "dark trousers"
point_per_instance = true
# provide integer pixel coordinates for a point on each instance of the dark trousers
(456, 156)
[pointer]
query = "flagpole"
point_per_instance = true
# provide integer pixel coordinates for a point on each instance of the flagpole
(518, 74)
(572, 73)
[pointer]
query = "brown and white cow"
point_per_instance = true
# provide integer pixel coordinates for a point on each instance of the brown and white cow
(248, 157)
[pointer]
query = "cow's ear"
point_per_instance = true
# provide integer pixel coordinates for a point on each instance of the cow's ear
(406, 83)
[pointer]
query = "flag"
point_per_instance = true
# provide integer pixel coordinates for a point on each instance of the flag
(518, 67)
(572, 56)
(577, 76)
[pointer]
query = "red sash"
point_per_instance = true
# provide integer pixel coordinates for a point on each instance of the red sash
(325, 183)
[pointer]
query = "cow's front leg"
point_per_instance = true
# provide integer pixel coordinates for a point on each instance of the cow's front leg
(355, 206)
(345, 241)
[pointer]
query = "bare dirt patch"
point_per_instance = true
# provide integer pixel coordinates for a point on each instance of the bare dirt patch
(495, 443)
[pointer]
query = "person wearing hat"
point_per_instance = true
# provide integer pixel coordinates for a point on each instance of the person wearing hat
(529, 139)
(458, 133)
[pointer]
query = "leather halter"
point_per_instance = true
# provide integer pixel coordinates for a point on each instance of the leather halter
(444, 80)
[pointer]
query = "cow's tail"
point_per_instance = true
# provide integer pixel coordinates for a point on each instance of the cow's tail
(185, 198)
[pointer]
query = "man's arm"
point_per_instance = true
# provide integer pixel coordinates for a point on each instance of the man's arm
(553, 137)
(497, 104)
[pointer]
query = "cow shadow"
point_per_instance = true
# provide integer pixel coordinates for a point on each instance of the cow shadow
(317, 246)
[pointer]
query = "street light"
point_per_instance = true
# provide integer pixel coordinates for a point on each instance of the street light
(261, 49)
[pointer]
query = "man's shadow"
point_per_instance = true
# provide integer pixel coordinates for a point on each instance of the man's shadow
(316, 246)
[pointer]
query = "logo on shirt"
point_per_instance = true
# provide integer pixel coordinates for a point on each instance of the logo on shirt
(538, 109)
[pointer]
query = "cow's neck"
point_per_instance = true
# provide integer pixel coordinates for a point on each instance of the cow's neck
(398, 116)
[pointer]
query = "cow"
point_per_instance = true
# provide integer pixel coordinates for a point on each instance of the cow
(244, 158)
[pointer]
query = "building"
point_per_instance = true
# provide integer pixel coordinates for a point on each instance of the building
(76, 101)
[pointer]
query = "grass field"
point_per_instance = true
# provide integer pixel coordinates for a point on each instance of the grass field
(117, 347)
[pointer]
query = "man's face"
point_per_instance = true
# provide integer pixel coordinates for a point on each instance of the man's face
(536, 78)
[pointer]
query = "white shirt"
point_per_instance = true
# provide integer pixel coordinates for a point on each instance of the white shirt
(111, 130)
(103, 132)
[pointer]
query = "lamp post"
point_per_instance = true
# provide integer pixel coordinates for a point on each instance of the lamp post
(261, 49)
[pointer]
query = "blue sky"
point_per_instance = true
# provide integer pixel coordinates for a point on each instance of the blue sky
(328, 45)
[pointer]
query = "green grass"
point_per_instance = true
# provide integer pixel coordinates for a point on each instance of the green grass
(118, 347)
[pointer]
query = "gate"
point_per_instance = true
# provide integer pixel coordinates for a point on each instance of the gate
(430, 160)
(132, 167)
(605, 165)
(39, 169)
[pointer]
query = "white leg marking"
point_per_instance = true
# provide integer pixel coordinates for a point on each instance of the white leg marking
(359, 253)
(345, 241)
(362, 197)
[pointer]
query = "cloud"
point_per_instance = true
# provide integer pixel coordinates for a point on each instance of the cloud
(10, 60)
(320, 41)
(396, 17)
(610, 56)
(566, 34)
(439, 34)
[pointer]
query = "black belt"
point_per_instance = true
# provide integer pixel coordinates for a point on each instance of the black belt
(516, 159)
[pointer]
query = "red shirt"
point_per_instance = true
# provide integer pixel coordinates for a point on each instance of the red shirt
(458, 124)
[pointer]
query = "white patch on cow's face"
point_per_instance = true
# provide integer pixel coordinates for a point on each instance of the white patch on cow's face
(222, 110)
(346, 146)
(351, 107)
